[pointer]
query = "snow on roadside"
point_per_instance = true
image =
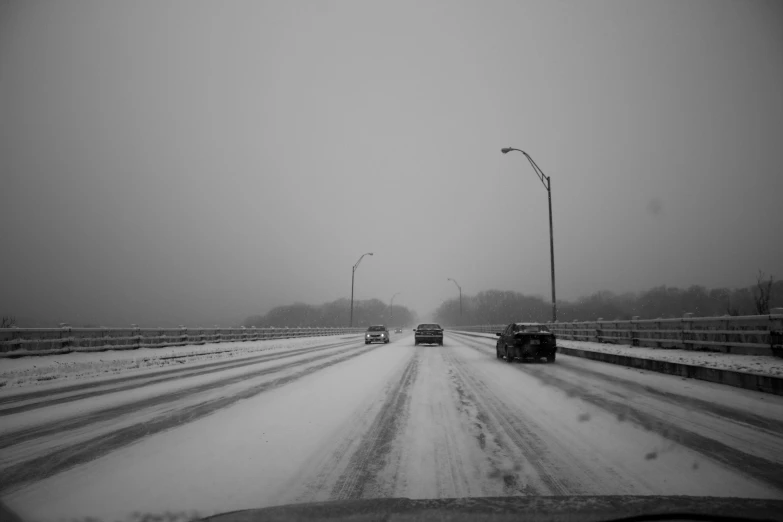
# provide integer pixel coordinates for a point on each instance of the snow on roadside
(54, 369)
(756, 364)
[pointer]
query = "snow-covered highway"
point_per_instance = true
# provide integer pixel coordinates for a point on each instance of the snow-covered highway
(331, 418)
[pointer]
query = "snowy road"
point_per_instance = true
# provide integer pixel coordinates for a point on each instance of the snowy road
(341, 420)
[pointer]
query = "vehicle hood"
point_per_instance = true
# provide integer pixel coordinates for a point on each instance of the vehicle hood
(555, 508)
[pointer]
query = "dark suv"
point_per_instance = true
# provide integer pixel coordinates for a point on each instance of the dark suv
(428, 333)
(526, 341)
(376, 334)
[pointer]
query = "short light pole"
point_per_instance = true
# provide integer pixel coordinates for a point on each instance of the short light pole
(547, 182)
(460, 294)
(391, 307)
(353, 274)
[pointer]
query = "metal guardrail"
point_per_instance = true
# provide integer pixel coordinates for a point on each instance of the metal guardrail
(50, 341)
(748, 334)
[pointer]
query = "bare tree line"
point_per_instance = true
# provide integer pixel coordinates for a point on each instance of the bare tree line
(499, 307)
(336, 313)
(7, 321)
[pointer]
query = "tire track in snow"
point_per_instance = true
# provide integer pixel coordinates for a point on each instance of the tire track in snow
(58, 460)
(750, 465)
(127, 383)
(512, 436)
(106, 414)
(718, 410)
(360, 479)
(454, 463)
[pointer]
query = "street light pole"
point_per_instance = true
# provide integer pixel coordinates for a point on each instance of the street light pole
(547, 182)
(391, 306)
(353, 274)
(460, 294)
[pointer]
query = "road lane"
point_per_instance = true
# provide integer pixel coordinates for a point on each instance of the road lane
(431, 422)
(86, 431)
(741, 429)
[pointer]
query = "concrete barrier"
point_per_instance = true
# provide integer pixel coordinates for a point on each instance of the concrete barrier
(748, 381)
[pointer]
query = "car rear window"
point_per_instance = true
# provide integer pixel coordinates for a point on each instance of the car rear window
(376, 329)
(429, 327)
(533, 328)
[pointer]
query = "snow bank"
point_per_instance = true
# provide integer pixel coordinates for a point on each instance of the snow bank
(757, 364)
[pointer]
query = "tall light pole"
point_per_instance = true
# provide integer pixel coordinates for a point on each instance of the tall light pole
(547, 182)
(353, 273)
(460, 294)
(391, 306)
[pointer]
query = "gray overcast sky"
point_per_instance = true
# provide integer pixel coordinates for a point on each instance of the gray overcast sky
(198, 162)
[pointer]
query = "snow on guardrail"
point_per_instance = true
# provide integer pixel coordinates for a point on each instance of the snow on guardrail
(50, 341)
(747, 334)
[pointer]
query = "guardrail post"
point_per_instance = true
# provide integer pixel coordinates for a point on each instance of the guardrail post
(776, 331)
(573, 335)
(65, 335)
(686, 327)
(633, 330)
(726, 337)
(599, 331)
(135, 336)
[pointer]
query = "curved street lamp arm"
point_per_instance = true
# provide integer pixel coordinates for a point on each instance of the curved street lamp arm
(540, 173)
(360, 260)
(456, 283)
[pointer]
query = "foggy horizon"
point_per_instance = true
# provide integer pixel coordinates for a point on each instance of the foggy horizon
(197, 163)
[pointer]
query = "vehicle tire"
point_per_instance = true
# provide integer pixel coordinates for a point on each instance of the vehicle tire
(386, 341)
(497, 353)
(509, 358)
(550, 358)
(366, 342)
(440, 343)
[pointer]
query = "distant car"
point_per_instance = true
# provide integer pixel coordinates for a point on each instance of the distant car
(428, 333)
(376, 334)
(526, 341)
(398, 330)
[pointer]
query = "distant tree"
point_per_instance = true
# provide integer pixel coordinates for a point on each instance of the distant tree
(7, 321)
(762, 293)
(732, 310)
